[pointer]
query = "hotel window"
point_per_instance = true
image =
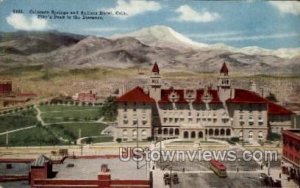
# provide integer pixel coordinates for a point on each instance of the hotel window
(198, 120)
(165, 120)
(182, 119)
(224, 120)
(251, 123)
(242, 123)
(190, 113)
(125, 109)
(260, 135)
(190, 120)
(176, 120)
(250, 135)
(135, 123)
(214, 120)
(125, 122)
(170, 120)
(241, 117)
(144, 122)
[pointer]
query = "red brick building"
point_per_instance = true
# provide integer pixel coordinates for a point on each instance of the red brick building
(5, 87)
(291, 154)
(86, 97)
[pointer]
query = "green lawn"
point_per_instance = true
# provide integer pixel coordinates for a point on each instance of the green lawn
(49, 108)
(70, 130)
(99, 139)
(17, 120)
(59, 113)
(31, 137)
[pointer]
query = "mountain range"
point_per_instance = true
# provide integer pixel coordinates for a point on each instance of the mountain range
(141, 48)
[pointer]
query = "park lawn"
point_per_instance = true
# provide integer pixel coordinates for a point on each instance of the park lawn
(17, 120)
(31, 137)
(70, 113)
(71, 130)
(100, 139)
(49, 108)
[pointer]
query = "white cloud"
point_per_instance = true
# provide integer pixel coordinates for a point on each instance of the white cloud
(255, 37)
(135, 7)
(21, 22)
(189, 15)
(290, 7)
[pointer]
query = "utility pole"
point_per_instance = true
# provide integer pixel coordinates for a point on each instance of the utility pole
(6, 139)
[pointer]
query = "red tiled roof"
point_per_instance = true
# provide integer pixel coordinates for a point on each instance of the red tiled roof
(224, 68)
(212, 92)
(244, 96)
(155, 68)
(166, 92)
(275, 109)
(136, 95)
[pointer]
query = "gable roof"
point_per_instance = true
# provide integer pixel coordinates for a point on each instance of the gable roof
(166, 92)
(136, 95)
(213, 93)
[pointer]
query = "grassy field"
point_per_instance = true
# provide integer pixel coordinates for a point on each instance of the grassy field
(59, 113)
(31, 137)
(71, 130)
(17, 120)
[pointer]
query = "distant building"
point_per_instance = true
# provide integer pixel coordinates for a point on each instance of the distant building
(10, 97)
(5, 87)
(291, 153)
(220, 112)
(89, 97)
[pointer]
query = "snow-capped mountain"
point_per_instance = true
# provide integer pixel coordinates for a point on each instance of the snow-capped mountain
(164, 36)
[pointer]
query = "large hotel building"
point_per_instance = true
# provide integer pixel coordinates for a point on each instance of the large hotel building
(197, 113)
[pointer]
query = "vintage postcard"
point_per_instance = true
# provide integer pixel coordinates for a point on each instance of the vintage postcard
(149, 94)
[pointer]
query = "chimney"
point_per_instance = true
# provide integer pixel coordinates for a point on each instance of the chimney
(104, 176)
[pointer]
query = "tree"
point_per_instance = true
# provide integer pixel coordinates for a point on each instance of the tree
(109, 109)
(272, 97)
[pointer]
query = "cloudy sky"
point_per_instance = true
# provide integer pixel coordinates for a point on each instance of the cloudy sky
(267, 24)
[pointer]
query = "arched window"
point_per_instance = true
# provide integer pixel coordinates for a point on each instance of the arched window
(176, 131)
(165, 131)
(217, 132)
(185, 134)
(125, 132)
(200, 134)
(134, 132)
(210, 131)
(250, 135)
(193, 134)
(228, 132)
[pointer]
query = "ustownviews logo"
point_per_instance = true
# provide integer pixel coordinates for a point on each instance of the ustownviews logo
(141, 154)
